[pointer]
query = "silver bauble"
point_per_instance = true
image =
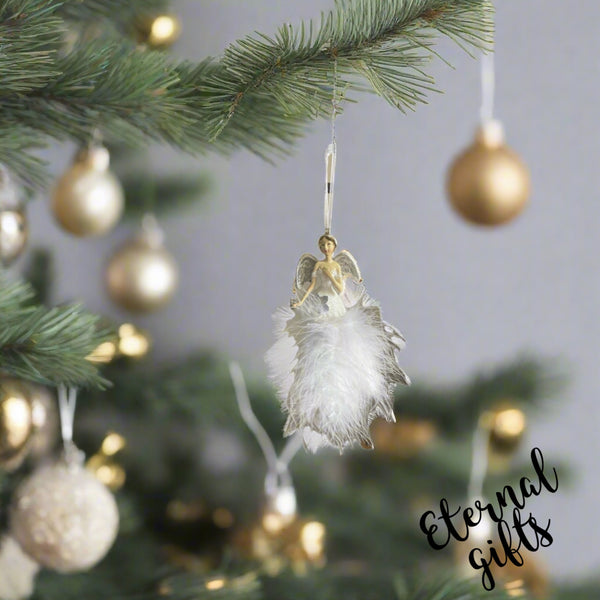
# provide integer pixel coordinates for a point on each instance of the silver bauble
(88, 199)
(63, 517)
(17, 571)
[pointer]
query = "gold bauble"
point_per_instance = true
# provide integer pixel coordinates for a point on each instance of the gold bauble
(159, 31)
(130, 342)
(133, 342)
(404, 438)
(298, 545)
(487, 183)
(107, 471)
(506, 424)
(103, 353)
(88, 199)
(16, 422)
(13, 234)
(104, 465)
(141, 276)
(529, 578)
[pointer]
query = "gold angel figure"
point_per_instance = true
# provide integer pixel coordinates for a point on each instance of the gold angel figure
(334, 361)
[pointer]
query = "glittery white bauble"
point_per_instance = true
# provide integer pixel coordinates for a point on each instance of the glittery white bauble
(64, 518)
(17, 571)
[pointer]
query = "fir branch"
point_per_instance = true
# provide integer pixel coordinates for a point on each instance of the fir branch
(166, 194)
(16, 145)
(47, 345)
(259, 96)
(121, 11)
(386, 42)
(105, 82)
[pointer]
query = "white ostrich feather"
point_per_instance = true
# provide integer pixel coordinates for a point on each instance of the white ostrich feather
(335, 370)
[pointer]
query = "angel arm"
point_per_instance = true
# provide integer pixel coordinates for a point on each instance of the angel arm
(311, 287)
(305, 273)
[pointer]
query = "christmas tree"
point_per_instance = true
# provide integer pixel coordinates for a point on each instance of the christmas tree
(210, 503)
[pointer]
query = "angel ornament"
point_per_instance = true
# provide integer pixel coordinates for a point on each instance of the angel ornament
(334, 359)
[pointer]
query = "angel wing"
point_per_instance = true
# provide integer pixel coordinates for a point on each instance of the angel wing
(348, 265)
(304, 272)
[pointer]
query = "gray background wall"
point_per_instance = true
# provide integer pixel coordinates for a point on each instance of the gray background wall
(465, 298)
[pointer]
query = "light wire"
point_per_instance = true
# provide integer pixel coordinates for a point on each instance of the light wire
(278, 474)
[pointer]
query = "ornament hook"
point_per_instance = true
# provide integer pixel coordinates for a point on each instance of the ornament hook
(330, 156)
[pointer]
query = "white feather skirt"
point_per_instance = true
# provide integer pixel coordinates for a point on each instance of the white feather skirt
(334, 373)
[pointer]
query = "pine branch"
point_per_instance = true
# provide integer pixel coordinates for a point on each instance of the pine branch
(259, 96)
(47, 345)
(121, 11)
(166, 194)
(388, 43)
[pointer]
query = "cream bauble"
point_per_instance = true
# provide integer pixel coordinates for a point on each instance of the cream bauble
(488, 184)
(63, 517)
(88, 199)
(141, 276)
(17, 571)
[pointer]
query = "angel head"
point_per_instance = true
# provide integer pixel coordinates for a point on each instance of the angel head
(327, 244)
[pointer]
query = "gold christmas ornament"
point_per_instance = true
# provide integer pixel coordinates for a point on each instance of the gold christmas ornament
(88, 199)
(518, 581)
(130, 342)
(103, 353)
(298, 545)
(107, 471)
(529, 579)
(506, 424)
(404, 438)
(487, 183)
(133, 342)
(16, 422)
(103, 464)
(159, 31)
(141, 276)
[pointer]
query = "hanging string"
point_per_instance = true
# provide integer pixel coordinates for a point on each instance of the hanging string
(151, 231)
(67, 401)
(479, 461)
(488, 83)
(278, 475)
(330, 156)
